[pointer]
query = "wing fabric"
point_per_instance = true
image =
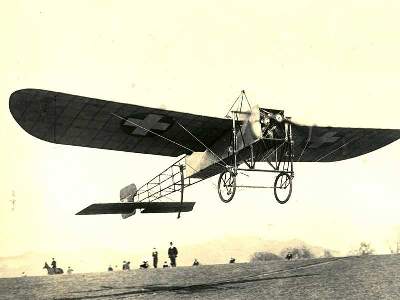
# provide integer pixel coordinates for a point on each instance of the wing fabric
(128, 208)
(80, 121)
(328, 144)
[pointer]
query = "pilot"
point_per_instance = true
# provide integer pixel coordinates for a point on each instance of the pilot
(172, 254)
(155, 258)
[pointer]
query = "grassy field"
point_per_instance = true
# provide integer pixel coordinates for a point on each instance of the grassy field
(368, 277)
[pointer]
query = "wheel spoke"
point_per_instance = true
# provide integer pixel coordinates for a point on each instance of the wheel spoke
(226, 186)
(283, 183)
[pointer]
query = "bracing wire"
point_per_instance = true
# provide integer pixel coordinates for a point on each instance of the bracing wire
(308, 141)
(220, 159)
(163, 137)
(343, 145)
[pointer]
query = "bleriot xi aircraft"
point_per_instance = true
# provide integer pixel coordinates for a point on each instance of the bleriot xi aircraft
(207, 146)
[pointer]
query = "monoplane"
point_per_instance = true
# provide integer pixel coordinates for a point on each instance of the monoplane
(249, 139)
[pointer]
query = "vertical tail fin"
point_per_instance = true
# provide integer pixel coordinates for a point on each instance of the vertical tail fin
(127, 194)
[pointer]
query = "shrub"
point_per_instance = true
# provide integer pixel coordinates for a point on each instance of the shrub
(298, 252)
(264, 256)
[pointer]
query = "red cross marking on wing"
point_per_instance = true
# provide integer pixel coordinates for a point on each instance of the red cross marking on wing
(150, 122)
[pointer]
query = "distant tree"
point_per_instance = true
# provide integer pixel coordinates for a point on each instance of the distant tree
(395, 249)
(298, 252)
(394, 244)
(264, 256)
(365, 249)
(327, 253)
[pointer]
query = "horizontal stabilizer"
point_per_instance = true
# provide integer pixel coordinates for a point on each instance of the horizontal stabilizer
(168, 207)
(129, 207)
(108, 208)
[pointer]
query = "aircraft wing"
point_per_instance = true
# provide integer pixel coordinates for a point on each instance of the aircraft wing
(130, 207)
(80, 121)
(327, 144)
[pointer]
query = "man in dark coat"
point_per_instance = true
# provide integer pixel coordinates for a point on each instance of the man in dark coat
(155, 258)
(172, 254)
(54, 264)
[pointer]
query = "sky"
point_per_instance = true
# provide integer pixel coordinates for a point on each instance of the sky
(323, 62)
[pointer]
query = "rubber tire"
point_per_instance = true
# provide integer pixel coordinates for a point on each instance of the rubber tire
(219, 187)
(290, 187)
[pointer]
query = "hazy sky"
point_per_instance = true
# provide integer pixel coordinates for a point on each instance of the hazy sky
(323, 62)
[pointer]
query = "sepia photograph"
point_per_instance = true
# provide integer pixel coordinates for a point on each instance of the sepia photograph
(200, 149)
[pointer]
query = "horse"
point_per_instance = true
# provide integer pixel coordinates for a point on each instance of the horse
(51, 271)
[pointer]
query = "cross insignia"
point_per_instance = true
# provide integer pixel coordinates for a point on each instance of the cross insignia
(140, 124)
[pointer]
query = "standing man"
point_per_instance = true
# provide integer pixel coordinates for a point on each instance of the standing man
(155, 258)
(54, 264)
(172, 254)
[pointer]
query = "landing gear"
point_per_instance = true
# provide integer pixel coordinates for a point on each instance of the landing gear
(226, 186)
(272, 146)
(283, 187)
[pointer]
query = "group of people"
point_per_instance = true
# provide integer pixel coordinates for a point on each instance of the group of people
(172, 255)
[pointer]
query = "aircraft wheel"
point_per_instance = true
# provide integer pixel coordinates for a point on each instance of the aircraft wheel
(283, 187)
(226, 186)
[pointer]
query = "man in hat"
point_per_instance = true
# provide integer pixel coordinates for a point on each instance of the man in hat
(172, 254)
(155, 258)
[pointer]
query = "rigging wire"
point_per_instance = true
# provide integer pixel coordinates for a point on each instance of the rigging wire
(345, 144)
(227, 114)
(246, 99)
(308, 140)
(176, 143)
(204, 145)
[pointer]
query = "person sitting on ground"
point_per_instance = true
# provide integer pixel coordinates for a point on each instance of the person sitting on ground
(144, 265)
(110, 269)
(232, 260)
(69, 270)
(196, 262)
(165, 265)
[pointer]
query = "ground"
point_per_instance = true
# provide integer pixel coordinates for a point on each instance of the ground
(325, 278)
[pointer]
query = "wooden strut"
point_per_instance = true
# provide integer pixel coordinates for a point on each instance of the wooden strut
(181, 167)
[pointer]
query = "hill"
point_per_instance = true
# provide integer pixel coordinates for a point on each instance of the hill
(371, 277)
(97, 259)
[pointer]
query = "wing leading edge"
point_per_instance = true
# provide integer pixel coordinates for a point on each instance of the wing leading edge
(80, 121)
(328, 144)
